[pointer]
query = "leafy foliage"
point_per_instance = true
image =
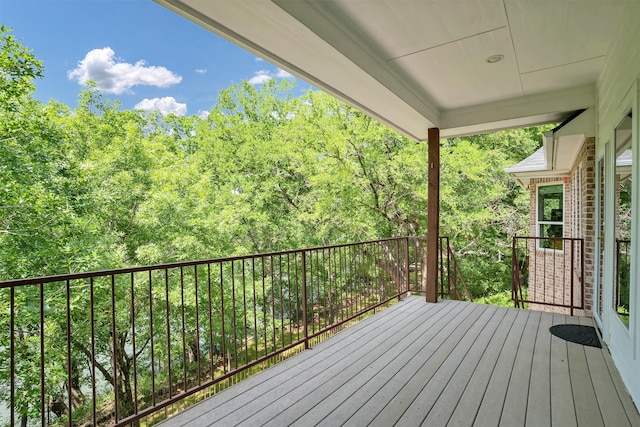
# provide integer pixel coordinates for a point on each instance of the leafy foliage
(482, 208)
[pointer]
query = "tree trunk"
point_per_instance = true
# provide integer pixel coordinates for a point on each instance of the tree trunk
(423, 270)
(392, 267)
(124, 366)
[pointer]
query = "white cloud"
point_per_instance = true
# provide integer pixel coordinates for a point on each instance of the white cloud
(260, 77)
(114, 76)
(201, 70)
(258, 59)
(165, 105)
(282, 74)
(203, 114)
(263, 76)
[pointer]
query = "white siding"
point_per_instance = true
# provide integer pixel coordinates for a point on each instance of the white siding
(617, 93)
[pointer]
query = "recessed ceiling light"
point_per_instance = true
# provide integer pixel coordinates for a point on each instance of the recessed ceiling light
(494, 58)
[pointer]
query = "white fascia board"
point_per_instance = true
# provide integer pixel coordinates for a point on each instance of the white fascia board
(523, 111)
(266, 30)
(548, 148)
(524, 171)
(524, 183)
(520, 122)
(541, 174)
(566, 150)
(584, 124)
(523, 179)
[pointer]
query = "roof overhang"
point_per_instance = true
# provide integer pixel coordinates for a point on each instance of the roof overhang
(417, 65)
(560, 149)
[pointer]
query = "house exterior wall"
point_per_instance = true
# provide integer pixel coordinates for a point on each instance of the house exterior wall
(586, 170)
(616, 94)
(551, 272)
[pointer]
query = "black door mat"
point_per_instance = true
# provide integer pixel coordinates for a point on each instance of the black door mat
(585, 335)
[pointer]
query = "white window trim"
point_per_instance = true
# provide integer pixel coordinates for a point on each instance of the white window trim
(576, 203)
(539, 223)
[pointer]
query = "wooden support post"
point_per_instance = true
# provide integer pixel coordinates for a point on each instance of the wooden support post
(433, 214)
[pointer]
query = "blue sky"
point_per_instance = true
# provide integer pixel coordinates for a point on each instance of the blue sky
(137, 51)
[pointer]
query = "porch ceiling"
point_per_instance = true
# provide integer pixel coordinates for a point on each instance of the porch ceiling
(416, 65)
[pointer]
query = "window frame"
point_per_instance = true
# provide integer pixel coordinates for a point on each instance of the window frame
(558, 246)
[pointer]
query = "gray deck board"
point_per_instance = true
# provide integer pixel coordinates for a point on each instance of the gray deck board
(584, 396)
(609, 403)
(442, 406)
(435, 350)
(338, 407)
(284, 388)
(468, 406)
(629, 408)
(343, 376)
(285, 377)
(514, 411)
(422, 373)
(494, 397)
(563, 412)
(392, 373)
(539, 401)
(444, 364)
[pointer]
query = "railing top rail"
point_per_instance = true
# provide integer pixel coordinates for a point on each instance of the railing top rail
(547, 238)
(154, 267)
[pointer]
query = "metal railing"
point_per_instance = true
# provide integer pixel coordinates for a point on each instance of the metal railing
(124, 347)
(452, 283)
(548, 272)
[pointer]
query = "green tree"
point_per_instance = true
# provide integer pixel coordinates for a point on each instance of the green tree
(18, 69)
(482, 208)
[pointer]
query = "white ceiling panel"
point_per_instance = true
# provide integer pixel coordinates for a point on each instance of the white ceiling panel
(474, 81)
(405, 27)
(577, 73)
(552, 33)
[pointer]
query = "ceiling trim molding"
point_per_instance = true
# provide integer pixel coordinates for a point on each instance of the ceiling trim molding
(527, 110)
(325, 21)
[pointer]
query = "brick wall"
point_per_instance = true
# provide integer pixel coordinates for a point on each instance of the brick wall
(550, 271)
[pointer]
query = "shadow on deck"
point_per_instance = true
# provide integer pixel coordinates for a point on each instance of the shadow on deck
(450, 363)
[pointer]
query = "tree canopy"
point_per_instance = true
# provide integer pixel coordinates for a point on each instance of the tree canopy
(100, 187)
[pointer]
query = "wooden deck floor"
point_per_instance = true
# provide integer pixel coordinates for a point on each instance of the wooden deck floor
(445, 364)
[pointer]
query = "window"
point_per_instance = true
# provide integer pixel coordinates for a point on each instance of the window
(623, 258)
(550, 215)
(576, 202)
